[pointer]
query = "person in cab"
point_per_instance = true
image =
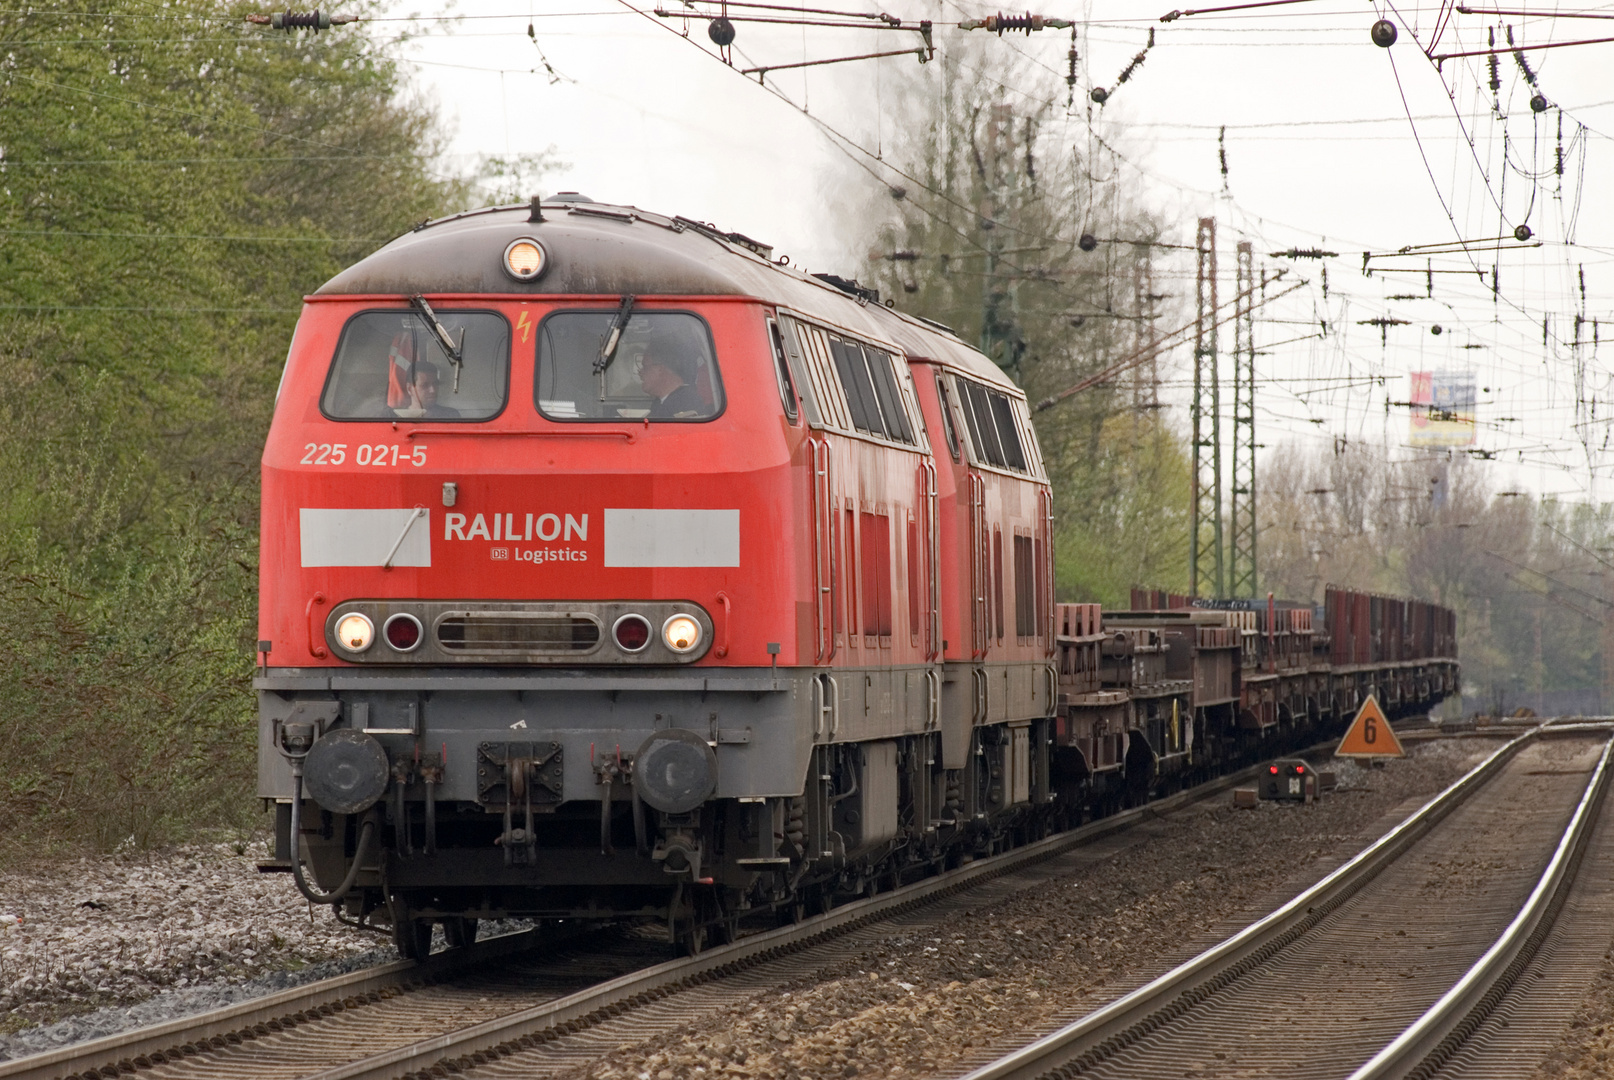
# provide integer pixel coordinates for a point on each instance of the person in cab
(668, 375)
(424, 389)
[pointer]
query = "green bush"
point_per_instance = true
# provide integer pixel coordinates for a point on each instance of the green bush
(172, 181)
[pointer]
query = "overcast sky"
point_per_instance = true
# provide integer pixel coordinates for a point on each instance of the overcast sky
(1320, 148)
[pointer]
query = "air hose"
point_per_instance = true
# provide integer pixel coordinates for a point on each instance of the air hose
(365, 833)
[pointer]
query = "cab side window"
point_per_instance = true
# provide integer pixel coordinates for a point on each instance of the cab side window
(946, 403)
(781, 371)
(389, 365)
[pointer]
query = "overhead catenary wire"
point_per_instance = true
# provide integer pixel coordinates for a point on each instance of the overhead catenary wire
(1364, 297)
(858, 154)
(1143, 355)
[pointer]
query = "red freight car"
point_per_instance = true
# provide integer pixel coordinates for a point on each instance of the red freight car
(1300, 673)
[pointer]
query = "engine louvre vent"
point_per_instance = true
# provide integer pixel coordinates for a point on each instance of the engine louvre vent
(516, 632)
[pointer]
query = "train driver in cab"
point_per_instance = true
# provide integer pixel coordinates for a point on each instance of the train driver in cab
(668, 374)
(423, 390)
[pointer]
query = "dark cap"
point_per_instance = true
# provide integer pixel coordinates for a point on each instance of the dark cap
(672, 355)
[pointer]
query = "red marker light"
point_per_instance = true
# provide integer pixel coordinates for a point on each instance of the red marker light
(1300, 769)
(1273, 769)
(632, 633)
(402, 632)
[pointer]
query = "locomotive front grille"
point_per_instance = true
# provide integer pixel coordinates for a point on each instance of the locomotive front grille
(518, 632)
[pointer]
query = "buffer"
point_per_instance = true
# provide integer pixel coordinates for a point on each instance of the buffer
(1370, 735)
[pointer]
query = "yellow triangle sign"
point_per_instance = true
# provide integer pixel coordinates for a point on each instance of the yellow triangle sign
(1370, 734)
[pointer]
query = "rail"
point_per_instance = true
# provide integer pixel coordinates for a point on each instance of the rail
(1146, 1008)
(125, 1050)
(1448, 1021)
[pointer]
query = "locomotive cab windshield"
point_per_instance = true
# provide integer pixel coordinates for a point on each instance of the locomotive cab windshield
(665, 368)
(390, 365)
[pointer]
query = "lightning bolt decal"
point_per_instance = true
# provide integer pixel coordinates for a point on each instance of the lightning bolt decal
(524, 325)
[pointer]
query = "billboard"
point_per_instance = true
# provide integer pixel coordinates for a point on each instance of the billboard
(1442, 408)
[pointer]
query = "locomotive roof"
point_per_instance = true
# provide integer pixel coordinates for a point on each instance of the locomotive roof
(599, 249)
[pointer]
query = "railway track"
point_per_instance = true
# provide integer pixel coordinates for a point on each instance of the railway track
(525, 1004)
(1420, 954)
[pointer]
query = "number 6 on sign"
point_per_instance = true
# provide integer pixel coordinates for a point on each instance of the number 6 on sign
(1370, 734)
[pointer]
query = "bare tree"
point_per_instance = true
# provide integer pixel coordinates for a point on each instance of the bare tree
(1527, 579)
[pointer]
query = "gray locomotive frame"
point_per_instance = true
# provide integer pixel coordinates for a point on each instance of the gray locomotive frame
(759, 721)
(762, 722)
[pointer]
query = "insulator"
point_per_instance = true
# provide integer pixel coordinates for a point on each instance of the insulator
(1001, 22)
(721, 31)
(289, 20)
(1133, 66)
(1496, 73)
(1027, 22)
(1383, 33)
(1524, 66)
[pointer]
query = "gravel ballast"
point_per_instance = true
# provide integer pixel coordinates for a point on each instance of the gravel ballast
(99, 945)
(1587, 1049)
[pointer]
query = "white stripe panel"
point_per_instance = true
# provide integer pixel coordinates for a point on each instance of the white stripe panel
(672, 537)
(365, 537)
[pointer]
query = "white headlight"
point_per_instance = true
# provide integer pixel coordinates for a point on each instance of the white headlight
(524, 259)
(355, 632)
(681, 633)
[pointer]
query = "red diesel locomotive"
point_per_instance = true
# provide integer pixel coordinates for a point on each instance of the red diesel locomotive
(610, 568)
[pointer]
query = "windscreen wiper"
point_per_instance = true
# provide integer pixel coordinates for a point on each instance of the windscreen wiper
(455, 353)
(614, 338)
